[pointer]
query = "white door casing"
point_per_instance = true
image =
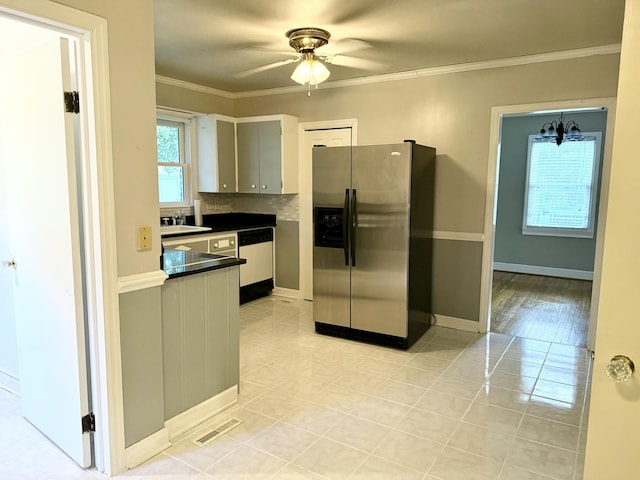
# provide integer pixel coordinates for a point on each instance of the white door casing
(329, 133)
(99, 209)
(45, 239)
(614, 420)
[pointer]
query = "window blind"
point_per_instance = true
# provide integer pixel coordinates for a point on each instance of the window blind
(560, 186)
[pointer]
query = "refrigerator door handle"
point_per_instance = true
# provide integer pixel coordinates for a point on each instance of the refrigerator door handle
(354, 224)
(345, 226)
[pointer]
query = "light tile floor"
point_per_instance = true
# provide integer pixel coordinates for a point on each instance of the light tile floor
(457, 405)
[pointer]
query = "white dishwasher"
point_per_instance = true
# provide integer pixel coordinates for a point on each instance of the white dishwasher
(256, 276)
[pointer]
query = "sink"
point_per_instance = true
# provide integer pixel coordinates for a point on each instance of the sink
(178, 229)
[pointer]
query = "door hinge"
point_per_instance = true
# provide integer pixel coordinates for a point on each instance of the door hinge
(71, 102)
(89, 423)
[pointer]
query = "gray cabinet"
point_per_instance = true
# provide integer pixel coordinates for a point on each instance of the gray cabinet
(249, 156)
(216, 154)
(267, 154)
(200, 338)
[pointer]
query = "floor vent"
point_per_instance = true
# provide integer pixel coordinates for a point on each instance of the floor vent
(216, 432)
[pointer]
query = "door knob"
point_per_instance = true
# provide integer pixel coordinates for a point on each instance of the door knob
(9, 263)
(224, 185)
(264, 187)
(253, 185)
(620, 368)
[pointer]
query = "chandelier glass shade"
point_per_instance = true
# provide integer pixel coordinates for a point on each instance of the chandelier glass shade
(558, 131)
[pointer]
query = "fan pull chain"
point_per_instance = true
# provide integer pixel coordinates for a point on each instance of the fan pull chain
(309, 88)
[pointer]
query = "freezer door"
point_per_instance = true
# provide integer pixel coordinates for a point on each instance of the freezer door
(380, 181)
(331, 281)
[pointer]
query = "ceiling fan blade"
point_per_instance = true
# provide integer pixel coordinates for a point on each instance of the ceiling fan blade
(353, 62)
(345, 45)
(263, 68)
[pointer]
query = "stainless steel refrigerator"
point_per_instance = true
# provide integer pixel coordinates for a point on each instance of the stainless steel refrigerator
(372, 254)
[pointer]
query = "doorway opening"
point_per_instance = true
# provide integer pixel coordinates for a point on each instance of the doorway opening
(536, 289)
(328, 133)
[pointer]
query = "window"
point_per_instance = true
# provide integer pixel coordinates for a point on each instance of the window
(562, 182)
(174, 152)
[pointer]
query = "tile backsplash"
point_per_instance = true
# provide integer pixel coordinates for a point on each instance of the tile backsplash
(285, 207)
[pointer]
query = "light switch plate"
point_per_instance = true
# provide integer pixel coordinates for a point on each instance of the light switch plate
(143, 235)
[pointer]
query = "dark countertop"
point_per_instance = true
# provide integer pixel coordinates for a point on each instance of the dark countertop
(220, 222)
(226, 222)
(180, 263)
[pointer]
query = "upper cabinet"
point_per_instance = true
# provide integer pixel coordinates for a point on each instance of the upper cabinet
(267, 154)
(216, 154)
(248, 155)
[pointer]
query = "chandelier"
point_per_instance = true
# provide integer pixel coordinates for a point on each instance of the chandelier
(559, 131)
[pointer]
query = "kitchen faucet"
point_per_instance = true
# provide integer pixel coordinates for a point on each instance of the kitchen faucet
(179, 218)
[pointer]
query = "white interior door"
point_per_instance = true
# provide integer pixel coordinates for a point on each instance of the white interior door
(330, 137)
(614, 417)
(43, 227)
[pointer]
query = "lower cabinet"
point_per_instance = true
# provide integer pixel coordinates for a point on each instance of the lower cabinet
(200, 338)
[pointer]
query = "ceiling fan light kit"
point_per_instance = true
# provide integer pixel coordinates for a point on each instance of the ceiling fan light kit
(310, 71)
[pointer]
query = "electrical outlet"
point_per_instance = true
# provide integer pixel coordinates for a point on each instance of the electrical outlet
(144, 237)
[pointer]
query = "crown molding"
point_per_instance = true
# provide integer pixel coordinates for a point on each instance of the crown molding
(174, 82)
(391, 77)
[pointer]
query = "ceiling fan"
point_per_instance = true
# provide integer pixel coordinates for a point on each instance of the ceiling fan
(308, 43)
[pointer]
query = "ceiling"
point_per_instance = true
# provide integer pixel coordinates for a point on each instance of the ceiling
(212, 42)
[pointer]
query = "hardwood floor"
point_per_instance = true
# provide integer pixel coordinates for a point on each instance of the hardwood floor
(541, 308)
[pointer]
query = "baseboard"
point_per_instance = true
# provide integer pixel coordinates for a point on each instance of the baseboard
(286, 292)
(9, 382)
(547, 271)
(201, 412)
(147, 448)
(457, 323)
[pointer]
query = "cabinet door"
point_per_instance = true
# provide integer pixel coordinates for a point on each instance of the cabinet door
(248, 135)
(216, 154)
(226, 134)
(270, 157)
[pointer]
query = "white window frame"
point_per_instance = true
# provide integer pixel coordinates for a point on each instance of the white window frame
(187, 122)
(587, 232)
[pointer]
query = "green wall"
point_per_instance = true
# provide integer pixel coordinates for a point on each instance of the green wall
(142, 374)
